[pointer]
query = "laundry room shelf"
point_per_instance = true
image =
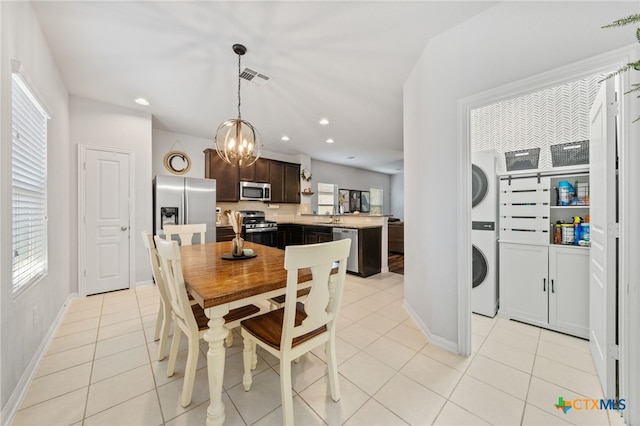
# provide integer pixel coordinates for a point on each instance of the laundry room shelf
(542, 283)
(524, 210)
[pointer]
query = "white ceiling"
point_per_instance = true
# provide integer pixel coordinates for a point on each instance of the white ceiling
(343, 60)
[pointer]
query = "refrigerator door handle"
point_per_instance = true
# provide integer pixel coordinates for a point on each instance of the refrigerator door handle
(183, 213)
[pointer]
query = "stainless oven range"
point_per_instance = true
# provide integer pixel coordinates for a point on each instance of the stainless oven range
(258, 229)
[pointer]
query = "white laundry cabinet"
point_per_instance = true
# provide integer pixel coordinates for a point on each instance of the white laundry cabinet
(546, 286)
(541, 283)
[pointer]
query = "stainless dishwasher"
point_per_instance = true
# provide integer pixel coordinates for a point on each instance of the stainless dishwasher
(344, 233)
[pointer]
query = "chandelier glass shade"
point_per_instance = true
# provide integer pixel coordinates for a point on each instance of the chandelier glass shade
(237, 141)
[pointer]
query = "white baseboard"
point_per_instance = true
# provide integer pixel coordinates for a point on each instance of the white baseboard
(441, 342)
(17, 396)
(147, 283)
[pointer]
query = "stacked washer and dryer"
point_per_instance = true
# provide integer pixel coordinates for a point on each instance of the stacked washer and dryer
(484, 233)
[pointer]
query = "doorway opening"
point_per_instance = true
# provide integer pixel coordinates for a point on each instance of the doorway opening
(468, 107)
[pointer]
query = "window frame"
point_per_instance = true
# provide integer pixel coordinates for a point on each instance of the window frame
(34, 116)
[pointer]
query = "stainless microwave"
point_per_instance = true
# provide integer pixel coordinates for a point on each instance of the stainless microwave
(255, 191)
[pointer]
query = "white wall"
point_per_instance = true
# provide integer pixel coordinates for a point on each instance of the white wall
(98, 124)
(349, 178)
(193, 146)
(509, 42)
(21, 339)
(397, 195)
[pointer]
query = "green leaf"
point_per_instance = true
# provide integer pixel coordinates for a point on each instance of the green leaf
(636, 89)
(638, 35)
(624, 21)
(620, 71)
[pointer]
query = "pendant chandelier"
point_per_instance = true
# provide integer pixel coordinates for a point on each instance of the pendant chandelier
(236, 140)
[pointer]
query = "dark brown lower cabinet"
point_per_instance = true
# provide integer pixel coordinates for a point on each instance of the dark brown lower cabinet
(281, 237)
(369, 251)
(369, 243)
(224, 233)
(296, 235)
(289, 235)
(396, 237)
(317, 234)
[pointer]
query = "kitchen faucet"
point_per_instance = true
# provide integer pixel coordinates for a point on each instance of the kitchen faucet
(335, 217)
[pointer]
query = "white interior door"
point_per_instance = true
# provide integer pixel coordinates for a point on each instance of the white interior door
(106, 222)
(602, 279)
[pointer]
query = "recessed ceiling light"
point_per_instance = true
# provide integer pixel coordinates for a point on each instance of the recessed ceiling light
(330, 140)
(323, 121)
(142, 101)
(285, 138)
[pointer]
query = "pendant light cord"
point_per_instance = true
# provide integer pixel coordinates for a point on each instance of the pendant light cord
(239, 73)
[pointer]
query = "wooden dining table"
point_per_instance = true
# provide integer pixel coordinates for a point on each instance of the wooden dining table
(219, 285)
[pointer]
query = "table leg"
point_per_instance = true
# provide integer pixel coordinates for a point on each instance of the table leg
(215, 336)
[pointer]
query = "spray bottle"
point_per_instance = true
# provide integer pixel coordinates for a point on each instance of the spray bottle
(577, 229)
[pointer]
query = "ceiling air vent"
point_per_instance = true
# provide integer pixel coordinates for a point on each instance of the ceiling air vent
(254, 77)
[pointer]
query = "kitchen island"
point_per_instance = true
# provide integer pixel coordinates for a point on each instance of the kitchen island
(372, 231)
(295, 229)
(366, 259)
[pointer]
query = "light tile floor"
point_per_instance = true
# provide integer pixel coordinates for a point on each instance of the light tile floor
(101, 369)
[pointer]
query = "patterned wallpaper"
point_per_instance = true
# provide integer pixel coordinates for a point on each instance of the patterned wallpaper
(548, 117)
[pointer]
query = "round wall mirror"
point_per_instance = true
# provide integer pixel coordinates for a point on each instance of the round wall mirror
(177, 162)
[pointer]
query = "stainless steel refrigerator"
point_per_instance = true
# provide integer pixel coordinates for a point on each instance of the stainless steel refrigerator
(181, 200)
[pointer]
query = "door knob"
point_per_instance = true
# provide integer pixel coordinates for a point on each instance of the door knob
(124, 228)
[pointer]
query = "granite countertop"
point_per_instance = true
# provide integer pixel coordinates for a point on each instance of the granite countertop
(327, 225)
(333, 225)
(348, 214)
(311, 223)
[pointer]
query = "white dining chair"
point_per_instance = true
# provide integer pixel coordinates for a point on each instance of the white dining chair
(163, 322)
(185, 232)
(296, 329)
(188, 318)
(278, 301)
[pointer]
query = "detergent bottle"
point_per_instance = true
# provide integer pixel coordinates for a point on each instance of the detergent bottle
(566, 191)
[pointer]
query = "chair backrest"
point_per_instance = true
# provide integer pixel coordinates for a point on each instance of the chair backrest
(171, 269)
(323, 301)
(185, 232)
(147, 239)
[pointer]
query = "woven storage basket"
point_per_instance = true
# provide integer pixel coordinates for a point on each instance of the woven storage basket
(570, 154)
(522, 160)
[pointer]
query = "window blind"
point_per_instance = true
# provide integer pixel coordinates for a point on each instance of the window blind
(326, 198)
(376, 200)
(29, 186)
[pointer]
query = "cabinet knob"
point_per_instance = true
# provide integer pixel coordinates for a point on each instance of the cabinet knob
(124, 228)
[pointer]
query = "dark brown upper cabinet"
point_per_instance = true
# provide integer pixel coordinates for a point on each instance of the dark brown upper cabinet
(276, 179)
(283, 177)
(292, 183)
(226, 176)
(257, 172)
